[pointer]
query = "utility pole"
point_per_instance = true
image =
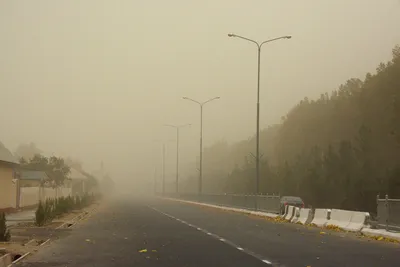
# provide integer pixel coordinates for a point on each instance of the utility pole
(163, 171)
(201, 151)
(259, 45)
(201, 104)
(177, 161)
(177, 127)
(155, 181)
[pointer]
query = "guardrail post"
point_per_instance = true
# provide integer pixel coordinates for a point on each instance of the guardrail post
(387, 211)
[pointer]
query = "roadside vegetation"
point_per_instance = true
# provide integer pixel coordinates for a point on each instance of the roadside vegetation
(338, 151)
(4, 232)
(53, 208)
(55, 167)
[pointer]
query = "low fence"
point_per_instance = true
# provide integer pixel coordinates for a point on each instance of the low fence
(267, 203)
(30, 196)
(388, 213)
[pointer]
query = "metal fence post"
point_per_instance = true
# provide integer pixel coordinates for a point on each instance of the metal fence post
(387, 211)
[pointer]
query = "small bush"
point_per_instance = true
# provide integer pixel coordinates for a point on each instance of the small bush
(40, 216)
(52, 208)
(5, 235)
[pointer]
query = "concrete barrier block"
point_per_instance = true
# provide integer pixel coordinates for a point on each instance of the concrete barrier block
(296, 215)
(287, 208)
(340, 218)
(320, 217)
(290, 213)
(304, 216)
(357, 221)
(285, 212)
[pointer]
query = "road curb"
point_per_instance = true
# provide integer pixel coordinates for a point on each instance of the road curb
(45, 242)
(77, 218)
(243, 211)
(19, 259)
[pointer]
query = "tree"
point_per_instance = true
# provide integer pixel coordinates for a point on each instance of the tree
(55, 168)
(4, 232)
(338, 151)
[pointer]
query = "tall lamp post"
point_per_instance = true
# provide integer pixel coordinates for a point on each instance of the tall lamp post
(163, 165)
(259, 45)
(177, 127)
(201, 104)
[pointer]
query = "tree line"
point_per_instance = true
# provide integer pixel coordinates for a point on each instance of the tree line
(57, 169)
(338, 151)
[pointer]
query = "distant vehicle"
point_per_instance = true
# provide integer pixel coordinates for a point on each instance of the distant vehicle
(291, 201)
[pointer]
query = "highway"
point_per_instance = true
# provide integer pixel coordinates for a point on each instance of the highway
(155, 232)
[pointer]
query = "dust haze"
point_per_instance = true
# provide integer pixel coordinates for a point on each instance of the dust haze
(97, 80)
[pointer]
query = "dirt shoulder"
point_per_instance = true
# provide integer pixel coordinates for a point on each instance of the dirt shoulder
(28, 238)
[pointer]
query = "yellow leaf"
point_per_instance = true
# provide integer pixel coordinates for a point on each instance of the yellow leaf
(154, 250)
(143, 251)
(380, 238)
(321, 233)
(87, 240)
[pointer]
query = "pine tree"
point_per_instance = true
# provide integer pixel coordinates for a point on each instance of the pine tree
(5, 235)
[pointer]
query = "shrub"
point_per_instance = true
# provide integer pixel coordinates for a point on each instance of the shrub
(5, 235)
(51, 208)
(47, 210)
(40, 216)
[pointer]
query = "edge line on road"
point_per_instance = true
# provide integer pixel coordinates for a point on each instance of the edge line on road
(248, 252)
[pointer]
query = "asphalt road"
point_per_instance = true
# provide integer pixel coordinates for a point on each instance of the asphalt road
(134, 234)
(156, 232)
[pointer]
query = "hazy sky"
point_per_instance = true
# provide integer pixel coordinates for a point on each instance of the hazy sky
(97, 79)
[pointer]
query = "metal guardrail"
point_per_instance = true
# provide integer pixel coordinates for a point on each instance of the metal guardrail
(267, 203)
(388, 213)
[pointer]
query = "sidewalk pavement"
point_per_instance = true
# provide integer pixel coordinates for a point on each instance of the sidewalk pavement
(381, 232)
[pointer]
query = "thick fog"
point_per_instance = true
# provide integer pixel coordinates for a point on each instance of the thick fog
(97, 80)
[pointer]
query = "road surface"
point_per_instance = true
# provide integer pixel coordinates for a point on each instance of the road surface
(154, 232)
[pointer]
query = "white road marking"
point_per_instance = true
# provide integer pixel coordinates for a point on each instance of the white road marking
(214, 235)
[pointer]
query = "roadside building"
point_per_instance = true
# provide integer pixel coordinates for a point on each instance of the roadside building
(30, 178)
(77, 182)
(8, 179)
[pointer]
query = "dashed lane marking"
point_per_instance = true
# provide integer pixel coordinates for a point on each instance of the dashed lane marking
(267, 262)
(216, 236)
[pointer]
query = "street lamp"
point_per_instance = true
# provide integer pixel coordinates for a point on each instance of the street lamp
(177, 127)
(201, 104)
(259, 45)
(163, 165)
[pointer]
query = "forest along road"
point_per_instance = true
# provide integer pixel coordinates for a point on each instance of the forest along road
(157, 232)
